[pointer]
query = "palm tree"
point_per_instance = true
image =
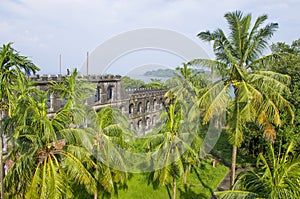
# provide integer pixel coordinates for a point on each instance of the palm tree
(186, 85)
(75, 92)
(185, 71)
(48, 156)
(275, 176)
(245, 90)
(171, 146)
(12, 67)
(110, 129)
(169, 155)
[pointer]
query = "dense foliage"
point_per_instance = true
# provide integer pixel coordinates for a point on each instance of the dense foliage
(68, 154)
(130, 83)
(289, 63)
(246, 91)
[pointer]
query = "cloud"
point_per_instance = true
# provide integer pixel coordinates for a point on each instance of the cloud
(45, 29)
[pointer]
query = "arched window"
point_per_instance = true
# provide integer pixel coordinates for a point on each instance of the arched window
(98, 94)
(139, 125)
(153, 120)
(140, 106)
(131, 108)
(154, 104)
(147, 106)
(109, 94)
(148, 123)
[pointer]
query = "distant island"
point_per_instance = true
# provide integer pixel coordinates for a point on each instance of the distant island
(160, 73)
(168, 73)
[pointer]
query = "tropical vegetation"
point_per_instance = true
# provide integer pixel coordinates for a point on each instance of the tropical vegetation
(12, 67)
(276, 175)
(252, 104)
(246, 91)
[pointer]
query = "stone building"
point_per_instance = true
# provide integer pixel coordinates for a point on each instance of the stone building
(141, 106)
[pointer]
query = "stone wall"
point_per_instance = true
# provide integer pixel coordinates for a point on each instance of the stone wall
(141, 106)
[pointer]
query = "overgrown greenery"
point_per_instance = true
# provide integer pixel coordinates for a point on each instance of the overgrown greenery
(201, 183)
(247, 92)
(289, 63)
(276, 175)
(12, 67)
(61, 155)
(128, 82)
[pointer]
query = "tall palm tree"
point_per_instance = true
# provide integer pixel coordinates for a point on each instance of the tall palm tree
(48, 156)
(276, 175)
(13, 65)
(169, 154)
(110, 131)
(186, 85)
(245, 90)
(171, 146)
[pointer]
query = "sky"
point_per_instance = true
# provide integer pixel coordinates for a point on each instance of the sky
(44, 30)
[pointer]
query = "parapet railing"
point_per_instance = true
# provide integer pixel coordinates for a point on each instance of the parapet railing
(52, 77)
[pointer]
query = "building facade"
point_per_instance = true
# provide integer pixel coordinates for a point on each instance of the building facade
(141, 106)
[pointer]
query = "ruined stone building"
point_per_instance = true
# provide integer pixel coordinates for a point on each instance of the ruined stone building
(141, 106)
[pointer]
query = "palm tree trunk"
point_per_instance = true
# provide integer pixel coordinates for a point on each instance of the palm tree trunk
(174, 187)
(1, 158)
(233, 165)
(95, 195)
(185, 175)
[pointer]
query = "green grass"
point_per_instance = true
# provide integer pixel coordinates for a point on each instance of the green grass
(200, 184)
(138, 188)
(203, 182)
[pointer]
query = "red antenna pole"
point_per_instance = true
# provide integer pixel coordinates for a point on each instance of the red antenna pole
(87, 63)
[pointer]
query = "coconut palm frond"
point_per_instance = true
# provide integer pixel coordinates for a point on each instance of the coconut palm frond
(236, 194)
(214, 65)
(276, 176)
(77, 172)
(214, 100)
(266, 80)
(235, 123)
(19, 172)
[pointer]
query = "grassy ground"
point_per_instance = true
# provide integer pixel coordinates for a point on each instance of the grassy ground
(201, 184)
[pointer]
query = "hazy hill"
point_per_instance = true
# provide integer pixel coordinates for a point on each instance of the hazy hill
(160, 73)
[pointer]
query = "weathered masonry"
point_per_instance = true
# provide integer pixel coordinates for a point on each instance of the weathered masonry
(141, 106)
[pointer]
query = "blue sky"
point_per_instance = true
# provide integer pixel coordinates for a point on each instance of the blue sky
(42, 30)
